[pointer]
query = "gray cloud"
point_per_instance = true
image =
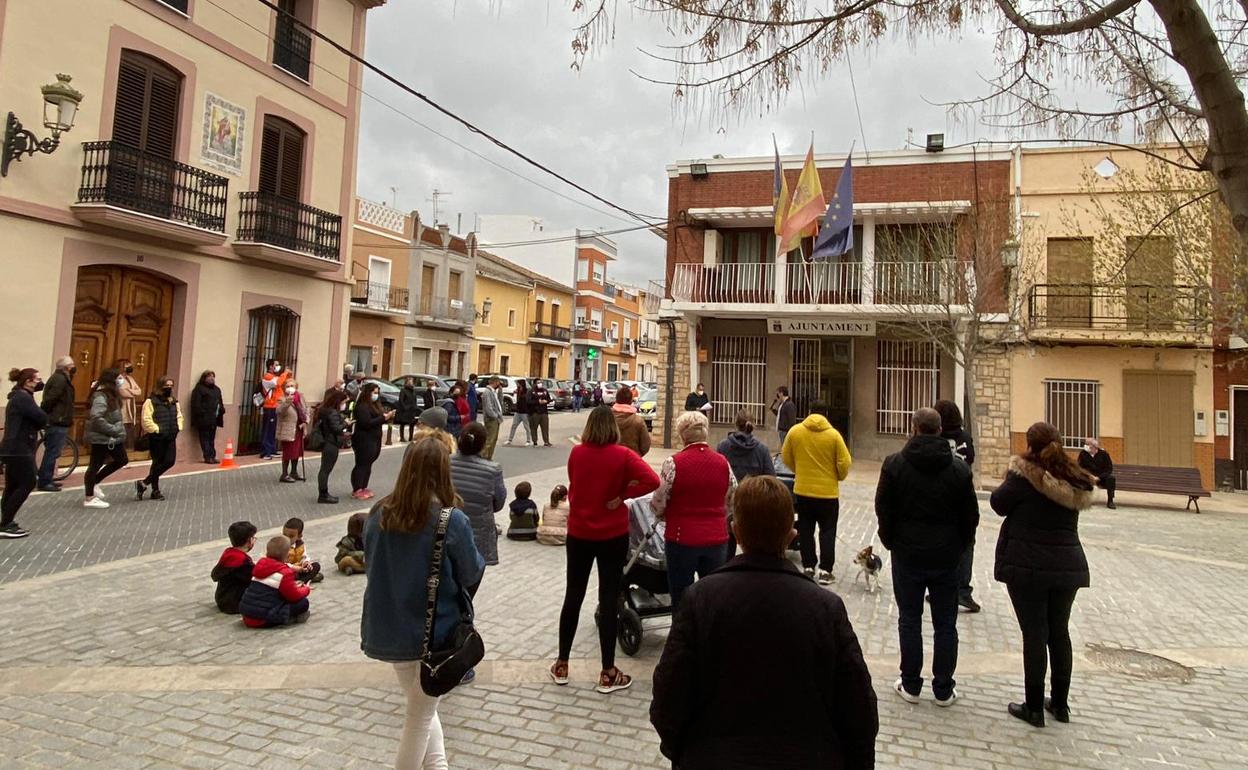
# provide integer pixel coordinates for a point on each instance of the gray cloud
(505, 66)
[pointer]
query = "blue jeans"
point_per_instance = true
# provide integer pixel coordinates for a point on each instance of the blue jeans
(576, 403)
(53, 442)
(268, 433)
(910, 583)
(684, 560)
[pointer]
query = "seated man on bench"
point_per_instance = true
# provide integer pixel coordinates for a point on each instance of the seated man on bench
(1097, 461)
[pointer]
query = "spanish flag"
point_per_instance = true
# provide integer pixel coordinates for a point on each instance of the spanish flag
(779, 193)
(805, 208)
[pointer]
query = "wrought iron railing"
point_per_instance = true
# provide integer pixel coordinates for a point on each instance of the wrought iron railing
(446, 309)
(289, 224)
(119, 175)
(551, 332)
(1130, 307)
(379, 295)
(292, 47)
(818, 283)
(646, 342)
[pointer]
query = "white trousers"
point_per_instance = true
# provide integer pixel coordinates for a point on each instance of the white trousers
(421, 746)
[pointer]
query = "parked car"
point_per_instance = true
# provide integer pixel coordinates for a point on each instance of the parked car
(647, 405)
(561, 397)
(507, 395)
(441, 388)
(608, 392)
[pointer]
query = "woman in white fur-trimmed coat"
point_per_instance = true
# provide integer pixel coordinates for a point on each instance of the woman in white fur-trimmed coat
(1041, 561)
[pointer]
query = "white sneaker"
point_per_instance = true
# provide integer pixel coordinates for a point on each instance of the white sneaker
(947, 702)
(826, 578)
(99, 492)
(94, 502)
(907, 697)
(507, 442)
(809, 572)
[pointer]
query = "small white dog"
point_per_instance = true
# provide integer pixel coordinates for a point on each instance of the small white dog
(869, 566)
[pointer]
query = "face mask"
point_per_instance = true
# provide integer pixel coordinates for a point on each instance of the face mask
(343, 407)
(167, 391)
(129, 369)
(700, 391)
(38, 387)
(376, 396)
(290, 391)
(277, 368)
(121, 382)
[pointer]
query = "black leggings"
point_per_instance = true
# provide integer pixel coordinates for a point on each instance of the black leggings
(407, 431)
(365, 456)
(19, 481)
(164, 453)
(611, 556)
(97, 471)
(1044, 619)
(329, 458)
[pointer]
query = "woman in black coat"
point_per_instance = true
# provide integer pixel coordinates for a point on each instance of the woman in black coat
(409, 409)
(207, 414)
(370, 416)
(335, 430)
(23, 419)
(1041, 561)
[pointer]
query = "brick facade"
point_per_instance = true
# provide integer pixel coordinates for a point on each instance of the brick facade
(679, 375)
(991, 429)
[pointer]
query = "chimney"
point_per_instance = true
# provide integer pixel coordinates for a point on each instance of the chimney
(445, 229)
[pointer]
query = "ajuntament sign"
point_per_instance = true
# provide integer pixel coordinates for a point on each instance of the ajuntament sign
(821, 327)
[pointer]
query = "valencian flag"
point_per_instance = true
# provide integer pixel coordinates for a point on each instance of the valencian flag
(836, 236)
(805, 207)
(779, 192)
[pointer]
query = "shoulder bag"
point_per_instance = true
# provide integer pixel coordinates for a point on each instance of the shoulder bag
(443, 669)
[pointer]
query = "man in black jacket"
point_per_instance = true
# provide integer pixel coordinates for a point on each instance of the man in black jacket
(927, 511)
(58, 404)
(762, 668)
(1097, 461)
(786, 412)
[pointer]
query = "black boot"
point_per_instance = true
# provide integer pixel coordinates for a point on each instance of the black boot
(327, 498)
(156, 495)
(140, 489)
(1060, 713)
(286, 479)
(1020, 711)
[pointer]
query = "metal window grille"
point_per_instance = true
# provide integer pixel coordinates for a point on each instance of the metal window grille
(807, 366)
(1073, 407)
(272, 332)
(908, 375)
(738, 373)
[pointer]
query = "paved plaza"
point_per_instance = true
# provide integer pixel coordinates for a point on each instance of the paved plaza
(114, 656)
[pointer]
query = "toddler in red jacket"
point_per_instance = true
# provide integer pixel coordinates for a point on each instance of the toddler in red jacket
(274, 597)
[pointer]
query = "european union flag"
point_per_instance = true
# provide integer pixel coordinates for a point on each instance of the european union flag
(836, 236)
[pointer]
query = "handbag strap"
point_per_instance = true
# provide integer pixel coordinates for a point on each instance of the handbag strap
(435, 577)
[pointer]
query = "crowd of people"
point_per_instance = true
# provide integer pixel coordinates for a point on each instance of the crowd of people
(713, 694)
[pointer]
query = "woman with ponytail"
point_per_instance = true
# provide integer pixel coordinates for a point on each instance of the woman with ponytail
(1041, 561)
(23, 419)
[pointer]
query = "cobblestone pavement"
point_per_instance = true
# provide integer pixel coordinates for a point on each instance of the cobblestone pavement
(124, 662)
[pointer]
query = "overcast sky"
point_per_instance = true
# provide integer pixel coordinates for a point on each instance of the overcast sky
(505, 66)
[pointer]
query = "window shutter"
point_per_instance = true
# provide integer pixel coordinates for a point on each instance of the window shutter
(146, 112)
(281, 159)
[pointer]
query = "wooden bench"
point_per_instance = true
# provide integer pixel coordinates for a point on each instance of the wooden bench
(1161, 481)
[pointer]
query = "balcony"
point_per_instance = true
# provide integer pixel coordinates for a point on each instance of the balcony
(1099, 313)
(292, 47)
(649, 343)
(551, 333)
(881, 288)
(288, 233)
(131, 190)
(379, 298)
(629, 347)
(446, 312)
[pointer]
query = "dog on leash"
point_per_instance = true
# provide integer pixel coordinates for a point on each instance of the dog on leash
(869, 566)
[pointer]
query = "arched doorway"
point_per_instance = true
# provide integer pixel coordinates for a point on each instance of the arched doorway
(119, 313)
(272, 332)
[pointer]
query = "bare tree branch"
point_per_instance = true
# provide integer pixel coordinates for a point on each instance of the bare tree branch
(1083, 24)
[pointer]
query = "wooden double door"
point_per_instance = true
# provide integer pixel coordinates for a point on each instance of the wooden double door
(119, 314)
(1158, 418)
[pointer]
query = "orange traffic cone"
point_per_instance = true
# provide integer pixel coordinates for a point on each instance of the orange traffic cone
(228, 460)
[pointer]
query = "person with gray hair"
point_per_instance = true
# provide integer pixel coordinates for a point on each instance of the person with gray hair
(695, 499)
(927, 510)
(58, 405)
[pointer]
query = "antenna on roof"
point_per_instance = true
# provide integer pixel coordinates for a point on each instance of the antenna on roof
(436, 198)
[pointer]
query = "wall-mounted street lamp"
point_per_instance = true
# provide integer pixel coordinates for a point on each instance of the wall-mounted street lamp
(60, 105)
(486, 307)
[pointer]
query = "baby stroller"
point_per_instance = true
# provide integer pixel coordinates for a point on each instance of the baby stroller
(644, 592)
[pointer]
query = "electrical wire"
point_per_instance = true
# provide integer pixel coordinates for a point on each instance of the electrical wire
(472, 127)
(430, 129)
(540, 241)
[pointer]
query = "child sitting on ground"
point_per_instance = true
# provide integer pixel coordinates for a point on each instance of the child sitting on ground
(306, 570)
(523, 514)
(274, 597)
(350, 558)
(233, 571)
(554, 527)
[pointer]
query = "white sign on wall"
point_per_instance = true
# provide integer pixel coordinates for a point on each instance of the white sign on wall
(821, 327)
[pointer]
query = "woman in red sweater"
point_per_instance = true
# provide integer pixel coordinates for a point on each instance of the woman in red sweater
(601, 474)
(695, 499)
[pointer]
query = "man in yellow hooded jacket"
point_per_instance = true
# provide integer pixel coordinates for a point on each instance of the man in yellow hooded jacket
(819, 459)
